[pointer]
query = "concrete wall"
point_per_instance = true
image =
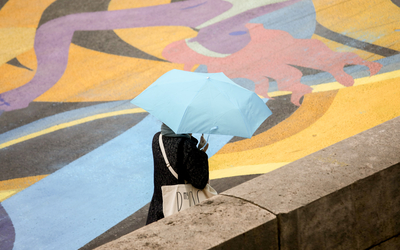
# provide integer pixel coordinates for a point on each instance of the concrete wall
(343, 197)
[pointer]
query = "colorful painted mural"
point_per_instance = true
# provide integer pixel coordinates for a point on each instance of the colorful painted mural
(75, 154)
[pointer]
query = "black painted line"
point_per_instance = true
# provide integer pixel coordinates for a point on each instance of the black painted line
(396, 2)
(2, 3)
(105, 41)
(351, 42)
(16, 63)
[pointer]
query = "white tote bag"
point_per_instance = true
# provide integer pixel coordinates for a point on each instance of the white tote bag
(182, 196)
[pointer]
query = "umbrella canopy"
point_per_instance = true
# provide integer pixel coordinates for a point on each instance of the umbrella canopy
(190, 102)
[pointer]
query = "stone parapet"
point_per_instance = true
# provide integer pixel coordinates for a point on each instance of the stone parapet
(346, 196)
(221, 222)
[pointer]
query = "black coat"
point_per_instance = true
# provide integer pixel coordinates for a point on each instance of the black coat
(186, 159)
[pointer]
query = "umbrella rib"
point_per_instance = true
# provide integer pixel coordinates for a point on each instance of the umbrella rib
(245, 123)
(238, 107)
(184, 114)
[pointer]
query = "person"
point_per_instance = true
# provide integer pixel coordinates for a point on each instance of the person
(187, 159)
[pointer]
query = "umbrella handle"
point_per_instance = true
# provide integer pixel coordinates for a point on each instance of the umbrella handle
(208, 137)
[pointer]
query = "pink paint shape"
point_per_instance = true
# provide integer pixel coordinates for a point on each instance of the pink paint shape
(270, 54)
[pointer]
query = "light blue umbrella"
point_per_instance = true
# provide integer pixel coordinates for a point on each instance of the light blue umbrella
(205, 103)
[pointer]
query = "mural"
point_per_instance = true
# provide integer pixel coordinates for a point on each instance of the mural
(75, 155)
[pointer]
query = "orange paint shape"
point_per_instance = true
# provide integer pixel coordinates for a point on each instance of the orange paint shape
(22, 13)
(95, 76)
(353, 110)
(369, 21)
(130, 4)
(314, 106)
(13, 77)
(20, 183)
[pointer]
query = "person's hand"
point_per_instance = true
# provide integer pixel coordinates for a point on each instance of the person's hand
(202, 143)
(205, 148)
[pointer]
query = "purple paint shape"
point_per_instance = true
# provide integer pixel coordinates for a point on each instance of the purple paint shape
(53, 38)
(190, 7)
(216, 37)
(7, 232)
(237, 33)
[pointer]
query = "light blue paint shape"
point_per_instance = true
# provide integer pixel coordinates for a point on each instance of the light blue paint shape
(298, 19)
(390, 64)
(79, 202)
(202, 69)
(245, 83)
(395, 59)
(273, 86)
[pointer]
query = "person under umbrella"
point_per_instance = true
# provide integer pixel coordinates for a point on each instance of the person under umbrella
(191, 102)
(186, 158)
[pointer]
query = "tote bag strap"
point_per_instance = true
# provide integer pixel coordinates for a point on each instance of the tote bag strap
(165, 157)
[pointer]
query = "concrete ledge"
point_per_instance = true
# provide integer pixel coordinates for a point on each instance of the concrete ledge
(346, 196)
(219, 223)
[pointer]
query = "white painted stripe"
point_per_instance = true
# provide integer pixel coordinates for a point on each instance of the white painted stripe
(64, 117)
(70, 124)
